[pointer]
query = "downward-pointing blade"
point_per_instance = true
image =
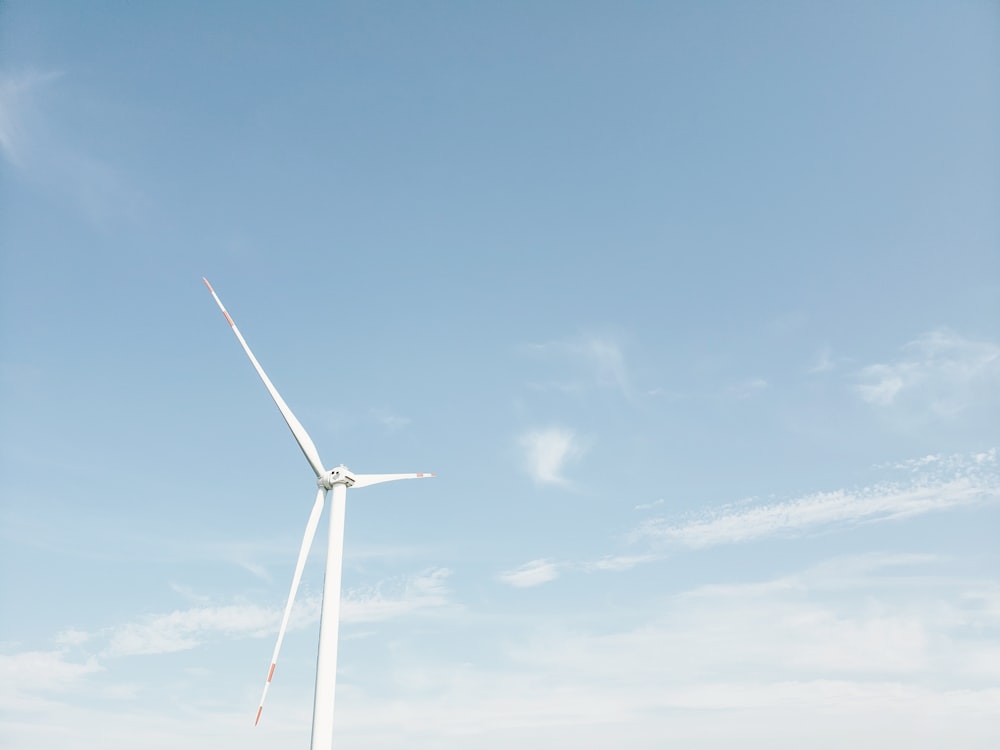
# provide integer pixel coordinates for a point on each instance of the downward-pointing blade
(298, 431)
(307, 539)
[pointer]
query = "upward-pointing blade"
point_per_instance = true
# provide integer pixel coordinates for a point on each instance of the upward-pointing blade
(301, 436)
(307, 539)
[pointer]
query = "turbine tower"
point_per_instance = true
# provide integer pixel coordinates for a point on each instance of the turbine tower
(335, 481)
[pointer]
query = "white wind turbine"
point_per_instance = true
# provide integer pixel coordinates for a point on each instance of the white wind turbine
(338, 480)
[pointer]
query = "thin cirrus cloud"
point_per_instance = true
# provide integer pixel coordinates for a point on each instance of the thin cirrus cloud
(424, 592)
(45, 670)
(537, 572)
(648, 506)
(975, 480)
(845, 642)
(747, 388)
(532, 573)
(937, 482)
(940, 370)
(40, 147)
(389, 420)
(186, 629)
(547, 451)
(592, 360)
(823, 362)
(618, 563)
(17, 94)
(817, 623)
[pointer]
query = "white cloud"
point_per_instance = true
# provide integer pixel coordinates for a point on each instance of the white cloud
(823, 362)
(185, 629)
(873, 616)
(747, 388)
(647, 506)
(849, 650)
(423, 592)
(533, 573)
(607, 359)
(543, 570)
(940, 371)
(189, 628)
(44, 671)
(881, 502)
(596, 360)
(47, 152)
(547, 451)
(72, 637)
(851, 658)
(391, 421)
(619, 563)
(940, 465)
(17, 90)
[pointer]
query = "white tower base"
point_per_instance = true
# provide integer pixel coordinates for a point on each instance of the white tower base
(326, 662)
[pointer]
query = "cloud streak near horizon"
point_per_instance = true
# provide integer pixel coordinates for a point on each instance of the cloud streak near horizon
(975, 482)
(185, 629)
(938, 483)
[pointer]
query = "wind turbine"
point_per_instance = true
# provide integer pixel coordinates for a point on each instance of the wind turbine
(337, 481)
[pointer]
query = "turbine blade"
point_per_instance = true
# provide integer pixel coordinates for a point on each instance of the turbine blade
(366, 480)
(298, 431)
(307, 539)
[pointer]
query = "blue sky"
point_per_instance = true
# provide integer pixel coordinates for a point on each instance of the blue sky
(693, 307)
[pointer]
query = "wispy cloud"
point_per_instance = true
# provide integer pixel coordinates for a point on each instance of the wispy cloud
(823, 362)
(72, 637)
(974, 482)
(818, 621)
(937, 483)
(44, 151)
(848, 655)
(939, 465)
(423, 592)
(618, 563)
(391, 421)
(850, 647)
(747, 388)
(594, 360)
(940, 370)
(537, 572)
(546, 452)
(648, 506)
(533, 573)
(44, 670)
(17, 94)
(189, 628)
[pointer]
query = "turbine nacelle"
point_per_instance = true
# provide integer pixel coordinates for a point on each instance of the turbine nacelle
(340, 475)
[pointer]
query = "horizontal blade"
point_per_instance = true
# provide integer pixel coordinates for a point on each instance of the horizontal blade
(307, 540)
(366, 480)
(298, 431)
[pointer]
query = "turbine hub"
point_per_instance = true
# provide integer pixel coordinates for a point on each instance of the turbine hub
(340, 475)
